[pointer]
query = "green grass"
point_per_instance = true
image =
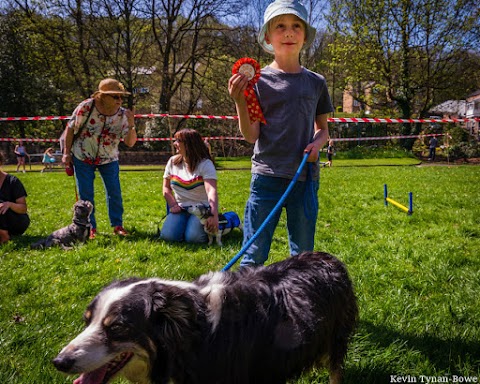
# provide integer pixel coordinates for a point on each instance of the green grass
(416, 277)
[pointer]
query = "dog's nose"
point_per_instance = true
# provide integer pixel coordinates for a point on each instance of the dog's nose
(63, 364)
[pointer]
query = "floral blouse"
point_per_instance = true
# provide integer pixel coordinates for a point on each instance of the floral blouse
(99, 136)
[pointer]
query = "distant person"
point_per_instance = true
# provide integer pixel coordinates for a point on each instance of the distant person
(21, 153)
(432, 145)
(14, 219)
(190, 178)
(330, 152)
(295, 103)
(48, 159)
(96, 147)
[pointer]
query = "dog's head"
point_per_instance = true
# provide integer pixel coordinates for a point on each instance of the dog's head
(81, 211)
(199, 210)
(131, 326)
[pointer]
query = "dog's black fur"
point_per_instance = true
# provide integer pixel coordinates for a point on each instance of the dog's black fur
(258, 325)
(77, 231)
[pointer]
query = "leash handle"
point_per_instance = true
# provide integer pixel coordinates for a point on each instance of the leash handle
(270, 215)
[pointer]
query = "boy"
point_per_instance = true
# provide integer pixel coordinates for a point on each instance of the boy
(295, 103)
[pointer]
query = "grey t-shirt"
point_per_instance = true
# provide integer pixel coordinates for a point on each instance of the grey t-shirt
(290, 103)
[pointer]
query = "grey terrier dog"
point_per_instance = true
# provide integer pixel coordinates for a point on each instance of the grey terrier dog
(77, 231)
(226, 222)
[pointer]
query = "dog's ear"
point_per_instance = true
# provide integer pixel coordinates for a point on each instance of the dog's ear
(172, 302)
(175, 308)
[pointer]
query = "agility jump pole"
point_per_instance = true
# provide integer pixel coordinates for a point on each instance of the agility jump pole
(396, 203)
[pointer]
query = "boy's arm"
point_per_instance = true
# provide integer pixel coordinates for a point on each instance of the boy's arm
(236, 87)
(320, 137)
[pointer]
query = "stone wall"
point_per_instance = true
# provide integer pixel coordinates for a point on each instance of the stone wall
(144, 157)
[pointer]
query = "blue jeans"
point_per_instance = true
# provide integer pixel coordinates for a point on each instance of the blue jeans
(110, 174)
(302, 210)
(183, 227)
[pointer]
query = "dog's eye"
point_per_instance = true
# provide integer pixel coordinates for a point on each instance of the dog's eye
(117, 330)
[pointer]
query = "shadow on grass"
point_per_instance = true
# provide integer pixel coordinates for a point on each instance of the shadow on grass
(22, 242)
(135, 235)
(445, 357)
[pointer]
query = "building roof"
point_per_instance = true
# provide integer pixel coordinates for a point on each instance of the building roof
(450, 107)
(476, 93)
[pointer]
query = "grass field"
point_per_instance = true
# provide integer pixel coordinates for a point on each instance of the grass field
(416, 277)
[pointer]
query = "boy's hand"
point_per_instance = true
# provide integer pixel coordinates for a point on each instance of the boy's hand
(313, 149)
(236, 87)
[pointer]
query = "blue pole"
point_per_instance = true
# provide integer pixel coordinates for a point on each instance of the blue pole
(410, 203)
(269, 217)
(385, 194)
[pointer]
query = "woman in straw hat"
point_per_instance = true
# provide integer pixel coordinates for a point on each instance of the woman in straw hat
(93, 144)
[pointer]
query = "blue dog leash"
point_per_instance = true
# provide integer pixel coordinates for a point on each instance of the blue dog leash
(269, 217)
(310, 205)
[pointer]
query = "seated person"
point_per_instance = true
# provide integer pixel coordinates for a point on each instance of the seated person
(190, 178)
(13, 206)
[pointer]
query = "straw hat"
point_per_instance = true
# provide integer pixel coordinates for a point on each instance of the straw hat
(285, 7)
(111, 87)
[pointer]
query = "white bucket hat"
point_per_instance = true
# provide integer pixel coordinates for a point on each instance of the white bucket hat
(285, 7)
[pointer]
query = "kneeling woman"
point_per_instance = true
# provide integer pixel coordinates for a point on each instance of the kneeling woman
(190, 178)
(13, 206)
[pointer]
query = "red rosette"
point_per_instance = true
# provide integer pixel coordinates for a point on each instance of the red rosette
(251, 69)
(248, 67)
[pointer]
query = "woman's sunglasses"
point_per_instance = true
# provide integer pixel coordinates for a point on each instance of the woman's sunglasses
(116, 97)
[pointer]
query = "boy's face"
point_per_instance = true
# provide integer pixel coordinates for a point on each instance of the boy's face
(286, 34)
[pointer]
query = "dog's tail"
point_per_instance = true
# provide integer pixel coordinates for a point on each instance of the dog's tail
(39, 244)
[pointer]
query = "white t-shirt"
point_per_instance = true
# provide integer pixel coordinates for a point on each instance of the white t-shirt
(189, 187)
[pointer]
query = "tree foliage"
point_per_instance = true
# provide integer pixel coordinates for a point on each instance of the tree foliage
(413, 51)
(176, 56)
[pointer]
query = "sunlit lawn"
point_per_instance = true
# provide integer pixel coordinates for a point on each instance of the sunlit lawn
(416, 277)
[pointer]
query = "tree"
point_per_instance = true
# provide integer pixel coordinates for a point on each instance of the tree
(23, 73)
(123, 36)
(412, 50)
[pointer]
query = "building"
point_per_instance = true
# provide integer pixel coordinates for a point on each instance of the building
(460, 109)
(358, 99)
(450, 109)
(473, 110)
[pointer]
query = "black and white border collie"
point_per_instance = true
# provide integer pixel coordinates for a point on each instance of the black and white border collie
(257, 325)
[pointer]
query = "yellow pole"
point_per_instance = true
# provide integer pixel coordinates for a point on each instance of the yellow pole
(402, 207)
